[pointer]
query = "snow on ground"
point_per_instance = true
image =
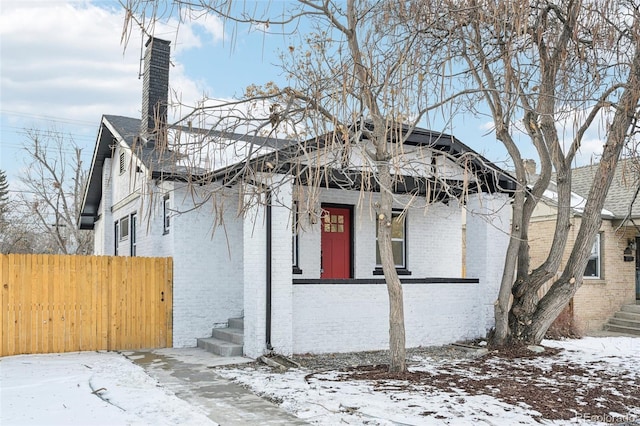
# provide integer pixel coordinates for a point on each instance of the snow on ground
(96, 388)
(65, 389)
(324, 399)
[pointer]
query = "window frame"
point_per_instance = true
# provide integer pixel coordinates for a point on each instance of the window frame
(116, 232)
(295, 255)
(130, 223)
(596, 254)
(123, 234)
(401, 269)
(133, 227)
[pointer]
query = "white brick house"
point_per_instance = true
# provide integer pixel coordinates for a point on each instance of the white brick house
(315, 290)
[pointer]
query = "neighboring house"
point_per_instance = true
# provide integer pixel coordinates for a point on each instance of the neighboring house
(610, 280)
(318, 288)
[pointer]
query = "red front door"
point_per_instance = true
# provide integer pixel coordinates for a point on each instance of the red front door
(336, 243)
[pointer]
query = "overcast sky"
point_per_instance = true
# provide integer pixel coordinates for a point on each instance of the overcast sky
(62, 65)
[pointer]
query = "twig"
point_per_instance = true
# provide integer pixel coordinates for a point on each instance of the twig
(96, 392)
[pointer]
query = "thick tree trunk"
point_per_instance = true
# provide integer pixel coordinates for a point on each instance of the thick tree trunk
(525, 291)
(501, 307)
(531, 318)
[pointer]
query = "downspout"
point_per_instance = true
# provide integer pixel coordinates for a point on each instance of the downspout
(269, 274)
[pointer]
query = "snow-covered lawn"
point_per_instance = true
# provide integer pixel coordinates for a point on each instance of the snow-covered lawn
(87, 388)
(107, 389)
(490, 390)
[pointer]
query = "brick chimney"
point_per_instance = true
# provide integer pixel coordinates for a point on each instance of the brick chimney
(155, 88)
(530, 166)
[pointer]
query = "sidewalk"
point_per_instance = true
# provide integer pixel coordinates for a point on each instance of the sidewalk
(187, 372)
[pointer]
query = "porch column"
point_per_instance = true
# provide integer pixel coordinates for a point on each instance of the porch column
(257, 276)
(487, 237)
(281, 268)
(254, 278)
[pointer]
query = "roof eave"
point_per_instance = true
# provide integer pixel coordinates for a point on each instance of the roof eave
(94, 180)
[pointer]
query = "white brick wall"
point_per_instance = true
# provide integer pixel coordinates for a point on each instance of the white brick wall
(151, 240)
(355, 317)
(488, 224)
(207, 268)
(434, 239)
(222, 274)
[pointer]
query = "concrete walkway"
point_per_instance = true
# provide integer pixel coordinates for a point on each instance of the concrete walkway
(187, 372)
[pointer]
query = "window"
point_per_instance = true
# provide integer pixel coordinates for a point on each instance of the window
(124, 228)
(593, 265)
(166, 214)
(398, 241)
(294, 241)
(123, 163)
(116, 231)
(134, 226)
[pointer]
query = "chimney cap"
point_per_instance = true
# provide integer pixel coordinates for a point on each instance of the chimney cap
(155, 39)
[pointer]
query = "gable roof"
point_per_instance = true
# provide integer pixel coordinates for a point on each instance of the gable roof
(265, 153)
(490, 177)
(162, 164)
(620, 198)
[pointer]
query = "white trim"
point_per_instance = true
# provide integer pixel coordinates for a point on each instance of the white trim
(126, 200)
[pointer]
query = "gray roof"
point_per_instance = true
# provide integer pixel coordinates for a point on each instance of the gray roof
(164, 164)
(165, 161)
(160, 163)
(625, 183)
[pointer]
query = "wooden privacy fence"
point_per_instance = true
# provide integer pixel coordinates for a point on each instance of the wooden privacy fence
(56, 303)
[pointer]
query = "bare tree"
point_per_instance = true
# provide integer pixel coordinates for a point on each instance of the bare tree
(4, 198)
(17, 233)
(546, 72)
(358, 84)
(4, 192)
(51, 193)
(5, 210)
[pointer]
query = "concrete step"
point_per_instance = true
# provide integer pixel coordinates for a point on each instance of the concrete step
(236, 323)
(622, 329)
(627, 315)
(220, 347)
(233, 335)
(631, 308)
(625, 322)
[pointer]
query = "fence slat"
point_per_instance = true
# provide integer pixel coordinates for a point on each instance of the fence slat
(55, 303)
(4, 299)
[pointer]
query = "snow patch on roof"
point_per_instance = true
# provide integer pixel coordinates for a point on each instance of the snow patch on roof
(578, 203)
